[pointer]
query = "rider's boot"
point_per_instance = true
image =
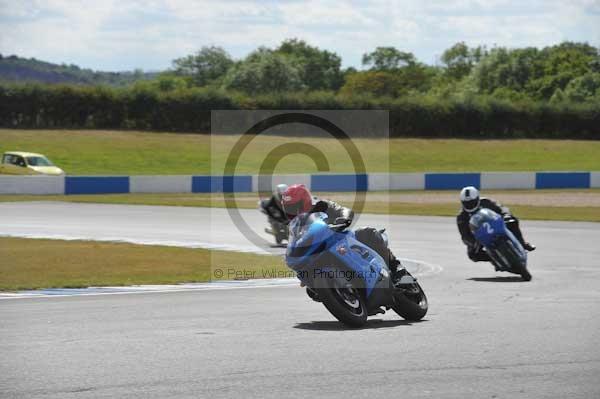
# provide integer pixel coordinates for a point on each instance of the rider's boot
(528, 246)
(515, 228)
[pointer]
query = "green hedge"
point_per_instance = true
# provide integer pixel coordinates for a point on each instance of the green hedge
(39, 106)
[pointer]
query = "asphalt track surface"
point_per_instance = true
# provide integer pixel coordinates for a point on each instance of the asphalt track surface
(487, 334)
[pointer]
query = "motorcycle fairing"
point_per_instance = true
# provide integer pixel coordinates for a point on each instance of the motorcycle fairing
(491, 231)
(311, 240)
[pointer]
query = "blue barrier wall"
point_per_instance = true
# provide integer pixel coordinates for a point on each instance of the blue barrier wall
(562, 180)
(96, 184)
(317, 182)
(339, 183)
(451, 181)
(221, 184)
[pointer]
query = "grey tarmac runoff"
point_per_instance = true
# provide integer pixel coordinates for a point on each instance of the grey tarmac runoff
(487, 334)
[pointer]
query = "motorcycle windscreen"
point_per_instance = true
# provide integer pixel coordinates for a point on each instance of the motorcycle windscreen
(309, 234)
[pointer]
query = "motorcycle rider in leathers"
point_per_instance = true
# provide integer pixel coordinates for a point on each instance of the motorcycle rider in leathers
(297, 199)
(471, 203)
(273, 207)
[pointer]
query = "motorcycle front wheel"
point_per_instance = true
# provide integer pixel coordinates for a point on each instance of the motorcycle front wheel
(410, 301)
(343, 301)
(522, 270)
(509, 252)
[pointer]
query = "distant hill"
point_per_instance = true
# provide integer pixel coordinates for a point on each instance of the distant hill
(15, 69)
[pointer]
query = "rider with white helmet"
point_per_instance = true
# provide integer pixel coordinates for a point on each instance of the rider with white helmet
(273, 206)
(469, 198)
(471, 202)
(279, 190)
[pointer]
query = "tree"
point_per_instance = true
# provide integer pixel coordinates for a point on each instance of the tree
(207, 65)
(508, 94)
(560, 64)
(388, 59)
(319, 69)
(557, 97)
(373, 83)
(168, 82)
(584, 88)
(537, 73)
(459, 59)
(402, 73)
(264, 71)
(511, 69)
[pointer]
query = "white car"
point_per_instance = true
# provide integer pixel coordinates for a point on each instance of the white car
(13, 161)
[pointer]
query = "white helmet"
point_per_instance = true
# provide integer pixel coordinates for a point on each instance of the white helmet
(469, 197)
(279, 190)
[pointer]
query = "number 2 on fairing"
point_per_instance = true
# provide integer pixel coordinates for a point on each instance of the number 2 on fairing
(488, 228)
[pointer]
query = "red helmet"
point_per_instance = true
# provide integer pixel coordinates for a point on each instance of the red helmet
(296, 200)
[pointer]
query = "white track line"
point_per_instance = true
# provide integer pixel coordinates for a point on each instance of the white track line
(145, 289)
(161, 242)
(417, 268)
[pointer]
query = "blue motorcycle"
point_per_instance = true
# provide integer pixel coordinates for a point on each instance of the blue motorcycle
(506, 252)
(351, 279)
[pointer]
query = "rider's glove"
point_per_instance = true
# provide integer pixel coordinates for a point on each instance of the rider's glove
(508, 217)
(342, 221)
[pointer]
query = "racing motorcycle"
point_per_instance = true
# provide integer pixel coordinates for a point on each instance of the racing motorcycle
(506, 252)
(351, 279)
(276, 228)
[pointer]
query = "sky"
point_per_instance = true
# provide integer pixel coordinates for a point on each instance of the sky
(117, 35)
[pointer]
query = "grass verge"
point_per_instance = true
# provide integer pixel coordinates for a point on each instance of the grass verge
(422, 203)
(37, 263)
(528, 212)
(129, 152)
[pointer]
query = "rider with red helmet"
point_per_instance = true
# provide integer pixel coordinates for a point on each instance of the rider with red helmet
(297, 199)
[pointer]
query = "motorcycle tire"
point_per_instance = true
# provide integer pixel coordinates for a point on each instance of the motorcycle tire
(411, 305)
(513, 258)
(525, 275)
(345, 303)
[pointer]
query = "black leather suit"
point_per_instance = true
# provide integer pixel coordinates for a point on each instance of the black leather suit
(367, 235)
(475, 251)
